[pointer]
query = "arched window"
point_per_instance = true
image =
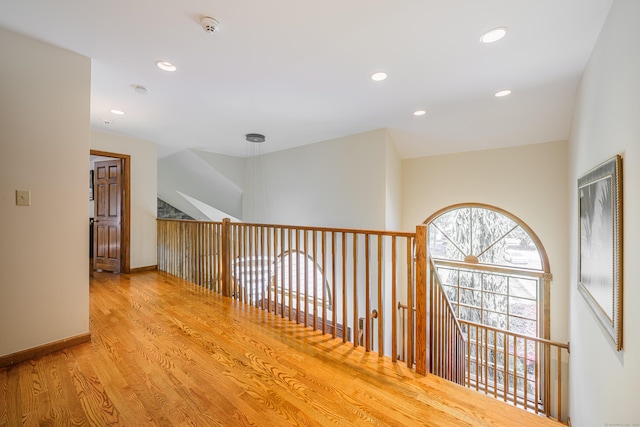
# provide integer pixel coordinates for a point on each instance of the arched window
(298, 275)
(493, 268)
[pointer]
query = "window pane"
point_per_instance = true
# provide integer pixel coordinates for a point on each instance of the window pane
(524, 288)
(520, 251)
(470, 280)
(494, 283)
(523, 308)
(470, 297)
(470, 314)
(523, 326)
(451, 292)
(488, 227)
(495, 320)
(495, 302)
(455, 226)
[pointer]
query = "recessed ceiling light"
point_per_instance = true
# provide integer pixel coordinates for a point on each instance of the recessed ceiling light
(502, 93)
(166, 66)
(494, 35)
(118, 112)
(379, 76)
(419, 113)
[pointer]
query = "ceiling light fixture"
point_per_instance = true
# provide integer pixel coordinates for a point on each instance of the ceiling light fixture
(502, 93)
(255, 137)
(118, 112)
(494, 35)
(379, 76)
(419, 113)
(166, 65)
(140, 89)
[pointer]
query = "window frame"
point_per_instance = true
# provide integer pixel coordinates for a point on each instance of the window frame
(544, 273)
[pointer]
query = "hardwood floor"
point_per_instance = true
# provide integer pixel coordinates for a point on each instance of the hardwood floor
(165, 352)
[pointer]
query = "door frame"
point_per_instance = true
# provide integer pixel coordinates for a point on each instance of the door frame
(125, 247)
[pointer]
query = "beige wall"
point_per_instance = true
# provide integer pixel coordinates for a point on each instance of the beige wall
(605, 384)
(44, 148)
(393, 176)
(144, 190)
(336, 183)
(526, 181)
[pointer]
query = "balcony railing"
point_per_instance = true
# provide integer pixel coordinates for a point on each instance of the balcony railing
(357, 285)
(326, 278)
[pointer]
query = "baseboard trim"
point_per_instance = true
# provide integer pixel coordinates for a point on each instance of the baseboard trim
(143, 269)
(32, 353)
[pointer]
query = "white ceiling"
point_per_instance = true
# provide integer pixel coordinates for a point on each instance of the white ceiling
(298, 71)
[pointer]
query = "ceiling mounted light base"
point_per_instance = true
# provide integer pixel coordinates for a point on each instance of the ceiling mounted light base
(209, 24)
(255, 137)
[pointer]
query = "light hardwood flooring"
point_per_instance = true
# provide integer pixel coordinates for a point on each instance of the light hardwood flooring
(165, 352)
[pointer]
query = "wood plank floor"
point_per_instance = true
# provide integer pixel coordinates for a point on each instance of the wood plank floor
(165, 352)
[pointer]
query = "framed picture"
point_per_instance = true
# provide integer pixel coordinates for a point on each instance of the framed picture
(90, 185)
(600, 243)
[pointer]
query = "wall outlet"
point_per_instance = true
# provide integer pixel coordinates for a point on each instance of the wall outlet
(23, 197)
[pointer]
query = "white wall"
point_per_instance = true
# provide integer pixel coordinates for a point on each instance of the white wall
(526, 181)
(202, 185)
(44, 148)
(605, 384)
(336, 183)
(144, 191)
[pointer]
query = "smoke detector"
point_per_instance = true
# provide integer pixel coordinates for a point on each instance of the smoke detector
(209, 24)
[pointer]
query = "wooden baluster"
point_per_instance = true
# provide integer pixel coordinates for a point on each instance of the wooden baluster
(515, 371)
(344, 289)
(305, 298)
(282, 271)
(272, 259)
(324, 291)
(394, 302)
(495, 364)
(367, 291)
(290, 271)
(535, 391)
(486, 361)
(526, 369)
(314, 242)
(410, 303)
(356, 323)
(381, 306)
(559, 384)
(333, 284)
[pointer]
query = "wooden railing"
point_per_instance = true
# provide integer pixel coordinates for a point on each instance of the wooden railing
(350, 283)
(446, 338)
(522, 370)
(192, 250)
(326, 278)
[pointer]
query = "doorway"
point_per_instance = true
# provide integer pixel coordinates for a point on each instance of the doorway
(119, 243)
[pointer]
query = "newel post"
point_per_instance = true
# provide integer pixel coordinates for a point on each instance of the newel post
(421, 299)
(226, 257)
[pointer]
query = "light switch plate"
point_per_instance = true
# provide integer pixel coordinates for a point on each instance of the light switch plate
(23, 197)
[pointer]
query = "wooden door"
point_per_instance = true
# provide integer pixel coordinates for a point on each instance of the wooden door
(107, 231)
